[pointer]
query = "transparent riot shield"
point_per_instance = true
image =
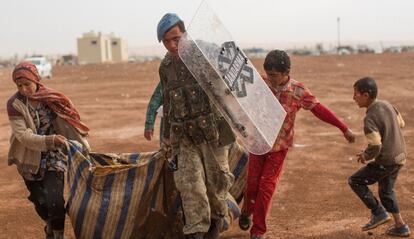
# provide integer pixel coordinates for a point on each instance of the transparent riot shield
(231, 81)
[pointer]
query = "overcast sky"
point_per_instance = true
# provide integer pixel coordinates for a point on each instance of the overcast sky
(52, 26)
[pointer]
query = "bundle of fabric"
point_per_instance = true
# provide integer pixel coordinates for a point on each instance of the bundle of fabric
(132, 195)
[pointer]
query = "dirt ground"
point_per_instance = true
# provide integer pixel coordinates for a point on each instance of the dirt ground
(313, 199)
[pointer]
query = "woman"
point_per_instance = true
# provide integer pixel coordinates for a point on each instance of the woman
(42, 119)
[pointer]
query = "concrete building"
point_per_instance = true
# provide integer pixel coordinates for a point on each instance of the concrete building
(119, 49)
(95, 47)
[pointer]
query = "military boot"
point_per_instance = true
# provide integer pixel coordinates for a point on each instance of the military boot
(216, 227)
(48, 231)
(58, 234)
(197, 235)
(245, 222)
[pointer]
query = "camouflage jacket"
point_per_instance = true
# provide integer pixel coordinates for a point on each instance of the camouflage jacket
(187, 109)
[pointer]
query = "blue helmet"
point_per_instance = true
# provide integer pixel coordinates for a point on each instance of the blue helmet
(166, 22)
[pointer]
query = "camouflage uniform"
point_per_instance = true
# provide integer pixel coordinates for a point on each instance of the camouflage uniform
(195, 129)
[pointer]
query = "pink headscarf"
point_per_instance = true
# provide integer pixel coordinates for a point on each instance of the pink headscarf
(57, 101)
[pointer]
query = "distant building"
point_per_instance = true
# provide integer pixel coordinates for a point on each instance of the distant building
(119, 49)
(94, 47)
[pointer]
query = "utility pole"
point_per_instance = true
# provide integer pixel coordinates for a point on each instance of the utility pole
(338, 20)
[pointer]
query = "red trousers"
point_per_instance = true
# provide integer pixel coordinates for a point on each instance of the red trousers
(262, 177)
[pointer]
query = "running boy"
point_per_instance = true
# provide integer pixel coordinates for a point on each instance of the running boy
(386, 153)
(264, 170)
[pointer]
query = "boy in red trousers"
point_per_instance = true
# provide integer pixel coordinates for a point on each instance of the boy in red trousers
(264, 170)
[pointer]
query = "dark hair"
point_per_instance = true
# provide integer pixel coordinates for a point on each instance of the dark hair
(277, 60)
(368, 85)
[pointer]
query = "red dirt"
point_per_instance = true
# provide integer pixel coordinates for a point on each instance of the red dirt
(313, 199)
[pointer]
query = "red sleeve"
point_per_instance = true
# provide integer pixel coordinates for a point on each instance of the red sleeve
(325, 114)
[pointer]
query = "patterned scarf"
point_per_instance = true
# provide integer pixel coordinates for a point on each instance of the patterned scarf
(57, 101)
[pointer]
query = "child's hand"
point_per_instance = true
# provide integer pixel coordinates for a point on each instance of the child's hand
(360, 158)
(59, 140)
(349, 135)
(148, 134)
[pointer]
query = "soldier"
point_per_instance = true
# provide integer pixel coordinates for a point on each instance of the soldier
(192, 129)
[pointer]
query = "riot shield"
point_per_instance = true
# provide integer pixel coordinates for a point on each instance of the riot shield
(231, 81)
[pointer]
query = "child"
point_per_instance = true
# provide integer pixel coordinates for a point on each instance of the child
(42, 120)
(386, 149)
(264, 170)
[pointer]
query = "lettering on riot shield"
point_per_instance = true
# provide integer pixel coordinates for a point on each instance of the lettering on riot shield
(232, 64)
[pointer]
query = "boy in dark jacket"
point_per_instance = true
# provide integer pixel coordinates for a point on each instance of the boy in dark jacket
(385, 154)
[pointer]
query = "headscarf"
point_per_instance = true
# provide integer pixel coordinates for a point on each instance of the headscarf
(56, 101)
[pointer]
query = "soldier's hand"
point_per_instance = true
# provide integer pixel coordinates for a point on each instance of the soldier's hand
(166, 146)
(167, 142)
(349, 136)
(148, 134)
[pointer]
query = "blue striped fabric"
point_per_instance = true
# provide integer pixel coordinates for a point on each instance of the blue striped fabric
(103, 210)
(83, 205)
(111, 194)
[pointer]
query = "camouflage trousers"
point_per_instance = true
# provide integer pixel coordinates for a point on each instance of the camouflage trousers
(203, 179)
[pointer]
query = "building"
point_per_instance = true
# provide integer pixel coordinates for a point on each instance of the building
(119, 49)
(95, 47)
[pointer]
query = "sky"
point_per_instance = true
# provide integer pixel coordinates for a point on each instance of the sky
(52, 26)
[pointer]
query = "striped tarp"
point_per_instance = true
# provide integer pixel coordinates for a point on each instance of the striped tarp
(129, 195)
